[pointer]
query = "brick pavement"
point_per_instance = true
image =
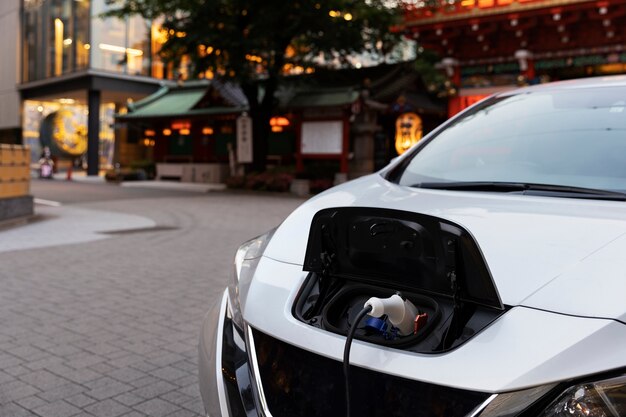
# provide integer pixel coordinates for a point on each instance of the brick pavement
(110, 327)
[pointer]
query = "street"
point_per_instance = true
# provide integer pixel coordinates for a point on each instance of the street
(102, 297)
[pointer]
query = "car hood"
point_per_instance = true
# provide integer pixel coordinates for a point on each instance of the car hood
(556, 254)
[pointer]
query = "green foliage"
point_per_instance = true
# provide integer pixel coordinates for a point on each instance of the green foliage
(271, 32)
(434, 79)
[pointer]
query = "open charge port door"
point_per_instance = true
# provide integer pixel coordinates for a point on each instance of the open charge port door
(356, 253)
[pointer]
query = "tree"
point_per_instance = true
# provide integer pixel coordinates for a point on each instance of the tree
(254, 42)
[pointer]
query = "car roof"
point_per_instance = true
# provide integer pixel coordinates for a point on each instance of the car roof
(580, 83)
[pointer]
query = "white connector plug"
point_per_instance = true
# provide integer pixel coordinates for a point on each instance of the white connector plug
(401, 313)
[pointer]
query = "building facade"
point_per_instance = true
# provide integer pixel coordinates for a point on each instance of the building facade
(10, 123)
(77, 69)
(487, 46)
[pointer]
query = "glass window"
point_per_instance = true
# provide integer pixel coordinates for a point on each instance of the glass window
(56, 38)
(81, 36)
(59, 38)
(33, 21)
(569, 137)
(119, 45)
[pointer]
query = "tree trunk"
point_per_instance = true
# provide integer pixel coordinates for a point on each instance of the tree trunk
(261, 113)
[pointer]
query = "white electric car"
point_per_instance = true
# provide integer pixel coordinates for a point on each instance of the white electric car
(483, 273)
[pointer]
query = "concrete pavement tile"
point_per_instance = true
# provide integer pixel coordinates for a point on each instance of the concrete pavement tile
(17, 370)
(129, 399)
(43, 379)
(14, 410)
(80, 400)
(195, 405)
(109, 390)
(154, 390)
(107, 408)
(6, 377)
(15, 390)
(176, 397)
(56, 409)
(142, 382)
(126, 374)
(156, 408)
(169, 373)
(184, 413)
(61, 392)
(190, 379)
(103, 368)
(31, 403)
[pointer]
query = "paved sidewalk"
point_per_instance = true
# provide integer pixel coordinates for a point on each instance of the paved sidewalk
(107, 325)
(67, 225)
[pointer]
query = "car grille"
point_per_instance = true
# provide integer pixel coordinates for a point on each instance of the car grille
(300, 383)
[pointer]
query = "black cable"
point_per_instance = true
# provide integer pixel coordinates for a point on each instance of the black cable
(346, 354)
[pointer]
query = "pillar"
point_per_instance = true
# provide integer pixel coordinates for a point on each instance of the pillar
(93, 132)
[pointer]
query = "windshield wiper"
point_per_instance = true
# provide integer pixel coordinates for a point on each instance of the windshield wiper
(547, 190)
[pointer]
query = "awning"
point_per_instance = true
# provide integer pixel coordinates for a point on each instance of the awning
(177, 101)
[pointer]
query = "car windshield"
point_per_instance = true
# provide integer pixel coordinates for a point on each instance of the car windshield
(573, 137)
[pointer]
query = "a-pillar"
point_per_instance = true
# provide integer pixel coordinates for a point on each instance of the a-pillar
(93, 132)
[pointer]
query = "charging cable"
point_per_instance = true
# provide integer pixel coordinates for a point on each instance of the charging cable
(402, 314)
(346, 353)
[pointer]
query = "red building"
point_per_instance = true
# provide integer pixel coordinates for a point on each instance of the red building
(490, 45)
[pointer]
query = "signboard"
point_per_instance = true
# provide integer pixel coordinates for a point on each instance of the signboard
(322, 137)
(244, 139)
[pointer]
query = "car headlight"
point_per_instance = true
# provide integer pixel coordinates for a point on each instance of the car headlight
(606, 398)
(247, 258)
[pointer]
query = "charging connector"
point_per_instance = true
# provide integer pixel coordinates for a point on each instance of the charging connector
(400, 312)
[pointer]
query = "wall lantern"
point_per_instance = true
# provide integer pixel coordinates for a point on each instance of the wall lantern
(278, 123)
(181, 124)
(408, 131)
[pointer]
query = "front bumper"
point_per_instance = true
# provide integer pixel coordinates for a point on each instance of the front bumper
(234, 371)
(225, 369)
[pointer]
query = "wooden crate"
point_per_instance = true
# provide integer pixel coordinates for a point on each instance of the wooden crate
(14, 189)
(14, 155)
(14, 172)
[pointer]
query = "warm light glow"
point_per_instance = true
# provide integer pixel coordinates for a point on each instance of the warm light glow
(67, 42)
(120, 49)
(277, 129)
(334, 13)
(254, 58)
(181, 124)
(467, 3)
(347, 16)
(58, 46)
(408, 131)
(185, 132)
(207, 130)
(67, 101)
(279, 121)
(167, 132)
(149, 132)
(87, 46)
